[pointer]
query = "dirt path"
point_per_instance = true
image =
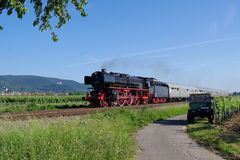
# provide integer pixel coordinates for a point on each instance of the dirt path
(167, 140)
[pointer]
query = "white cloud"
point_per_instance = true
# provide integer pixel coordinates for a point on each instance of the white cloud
(162, 55)
(213, 28)
(156, 51)
(231, 14)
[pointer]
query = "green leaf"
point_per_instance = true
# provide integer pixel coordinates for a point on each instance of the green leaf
(54, 37)
(36, 22)
(9, 12)
(83, 14)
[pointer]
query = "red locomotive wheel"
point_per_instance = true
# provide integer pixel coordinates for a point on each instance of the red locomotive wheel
(136, 101)
(121, 102)
(115, 103)
(145, 102)
(153, 101)
(103, 103)
(129, 101)
(164, 100)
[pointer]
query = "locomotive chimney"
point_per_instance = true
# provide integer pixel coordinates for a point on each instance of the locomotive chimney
(104, 70)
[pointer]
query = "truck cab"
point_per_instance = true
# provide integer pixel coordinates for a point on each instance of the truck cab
(200, 106)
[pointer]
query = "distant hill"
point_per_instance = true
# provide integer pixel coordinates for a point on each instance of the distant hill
(26, 83)
(236, 94)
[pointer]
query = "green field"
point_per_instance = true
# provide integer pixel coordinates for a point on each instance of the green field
(101, 136)
(9, 100)
(33, 103)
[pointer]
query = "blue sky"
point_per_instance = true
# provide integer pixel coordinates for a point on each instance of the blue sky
(187, 42)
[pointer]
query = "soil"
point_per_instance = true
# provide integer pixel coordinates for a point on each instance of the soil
(233, 124)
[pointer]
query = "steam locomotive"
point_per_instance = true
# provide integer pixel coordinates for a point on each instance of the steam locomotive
(119, 89)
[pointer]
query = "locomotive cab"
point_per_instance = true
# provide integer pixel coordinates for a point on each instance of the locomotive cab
(158, 91)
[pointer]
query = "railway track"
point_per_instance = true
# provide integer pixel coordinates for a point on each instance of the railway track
(75, 111)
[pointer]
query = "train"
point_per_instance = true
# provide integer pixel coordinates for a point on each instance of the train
(119, 89)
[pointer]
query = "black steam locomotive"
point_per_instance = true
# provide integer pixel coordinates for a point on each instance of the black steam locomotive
(118, 89)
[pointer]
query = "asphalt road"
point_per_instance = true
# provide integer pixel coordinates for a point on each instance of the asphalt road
(167, 140)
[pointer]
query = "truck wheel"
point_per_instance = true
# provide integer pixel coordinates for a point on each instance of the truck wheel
(210, 118)
(190, 117)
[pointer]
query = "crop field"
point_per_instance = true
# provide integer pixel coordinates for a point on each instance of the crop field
(32, 103)
(225, 108)
(101, 136)
(39, 99)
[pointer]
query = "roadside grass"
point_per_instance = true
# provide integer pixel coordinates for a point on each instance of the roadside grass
(101, 136)
(216, 137)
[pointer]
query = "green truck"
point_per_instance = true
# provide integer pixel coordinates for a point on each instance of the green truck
(200, 106)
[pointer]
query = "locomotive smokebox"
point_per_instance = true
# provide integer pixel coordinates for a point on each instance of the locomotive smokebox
(88, 80)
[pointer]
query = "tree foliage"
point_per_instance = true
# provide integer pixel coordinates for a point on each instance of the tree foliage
(44, 12)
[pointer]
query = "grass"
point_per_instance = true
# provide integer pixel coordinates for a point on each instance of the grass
(38, 107)
(216, 137)
(23, 99)
(35, 103)
(100, 136)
